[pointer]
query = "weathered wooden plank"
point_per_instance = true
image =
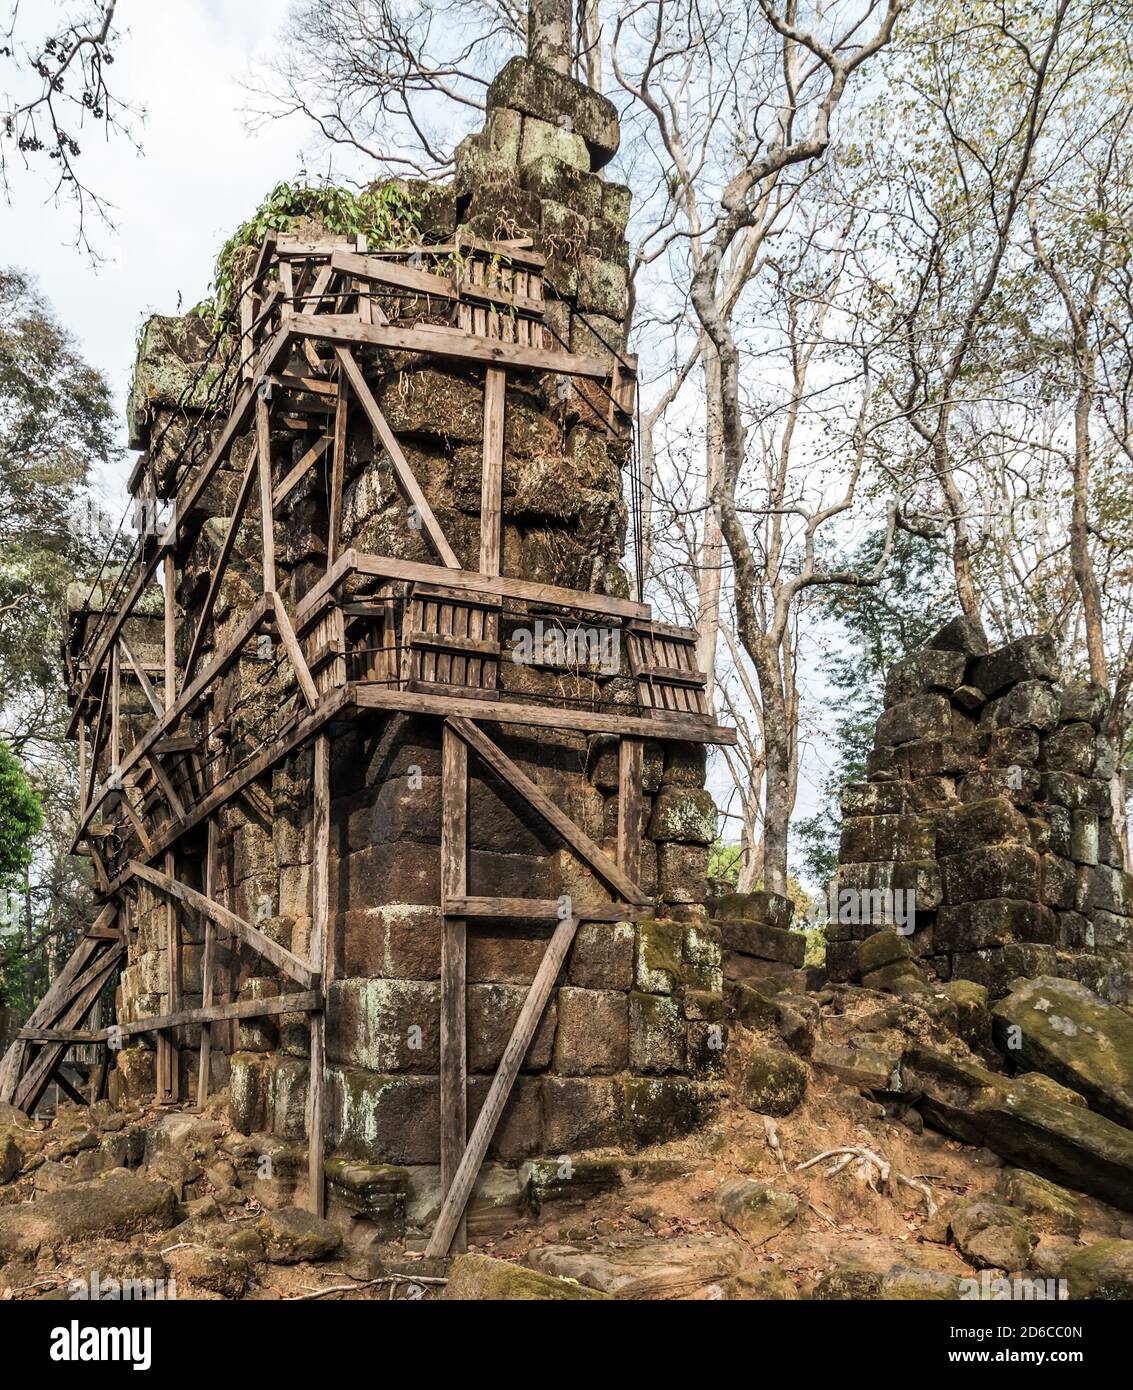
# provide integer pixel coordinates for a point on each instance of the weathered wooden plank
(304, 1001)
(143, 679)
(573, 834)
(405, 476)
(294, 653)
(446, 342)
(279, 955)
(263, 464)
(542, 909)
(454, 969)
(688, 728)
(492, 473)
(534, 1006)
(630, 764)
(320, 958)
(285, 488)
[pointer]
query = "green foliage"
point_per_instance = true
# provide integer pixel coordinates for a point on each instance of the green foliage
(880, 625)
(724, 862)
(21, 817)
(387, 214)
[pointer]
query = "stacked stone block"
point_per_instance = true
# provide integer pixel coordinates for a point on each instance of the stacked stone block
(632, 1042)
(990, 798)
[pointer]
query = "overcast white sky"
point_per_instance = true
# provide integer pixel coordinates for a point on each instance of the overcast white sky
(199, 175)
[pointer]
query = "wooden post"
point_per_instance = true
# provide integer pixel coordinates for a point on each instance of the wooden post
(492, 475)
(82, 768)
(320, 914)
(207, 966)
(454, 1041)
(115, 708)
(267, 523)
(534, 1006)
(170, 576)
(337, 472)
(173, 962)
(630, 761)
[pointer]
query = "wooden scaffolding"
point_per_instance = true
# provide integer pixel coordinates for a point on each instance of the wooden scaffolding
(376, 636)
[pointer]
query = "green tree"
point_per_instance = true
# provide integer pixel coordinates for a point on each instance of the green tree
(56, 421)
(877, 626)
(21, 817)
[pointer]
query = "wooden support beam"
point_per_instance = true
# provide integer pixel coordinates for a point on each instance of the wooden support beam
(208, 965)
(143, 680)
(320, 964)
(71, 1092)
(534, 1006)
(278, 955)
(37, 1077)
(169, 626)
(454, 971)
(630, 763)
(305, 1001)
(215, 669)
(168, 790)
(285, 488)
(505, 586)
(402, 471)
(693, 729)
(542, 910)
(294, 653)
(337, 471)
(168, 1071)
(221, 566)
(446, 342)
(492, 475)
(263, 464)
(577, 838)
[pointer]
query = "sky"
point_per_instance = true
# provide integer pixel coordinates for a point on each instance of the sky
(200, 174)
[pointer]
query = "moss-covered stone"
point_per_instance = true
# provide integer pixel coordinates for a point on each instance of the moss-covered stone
(483, 1279)
(1065, 1030)
(1104, 1270)
(539, 91)
(755, 1210)
(1048, 1206)
(774, 1082)
(1062, 1142)
(687, 814)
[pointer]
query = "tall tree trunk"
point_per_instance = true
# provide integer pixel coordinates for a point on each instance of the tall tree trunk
(549, 33)
(777, 778)
(1080, 560)
(711, 550)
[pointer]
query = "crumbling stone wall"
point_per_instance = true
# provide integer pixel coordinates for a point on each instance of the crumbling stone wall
(989, 799)
(633, 1037)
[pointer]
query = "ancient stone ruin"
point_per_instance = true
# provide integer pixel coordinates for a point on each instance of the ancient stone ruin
(393, 793)
(989, 801)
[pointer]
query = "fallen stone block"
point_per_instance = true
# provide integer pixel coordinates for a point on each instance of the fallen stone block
(481, 1278)
(1065, 1030)
(115, 1203)
(755, 1210)
(1061, 1142)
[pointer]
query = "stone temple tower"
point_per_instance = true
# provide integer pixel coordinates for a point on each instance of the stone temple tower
(393, 789)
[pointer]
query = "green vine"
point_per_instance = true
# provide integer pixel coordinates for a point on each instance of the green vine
(387, 214)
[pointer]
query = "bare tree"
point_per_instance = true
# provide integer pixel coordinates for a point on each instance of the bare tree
(57, 87)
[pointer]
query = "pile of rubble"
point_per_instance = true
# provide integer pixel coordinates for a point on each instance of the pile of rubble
(985, 831)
